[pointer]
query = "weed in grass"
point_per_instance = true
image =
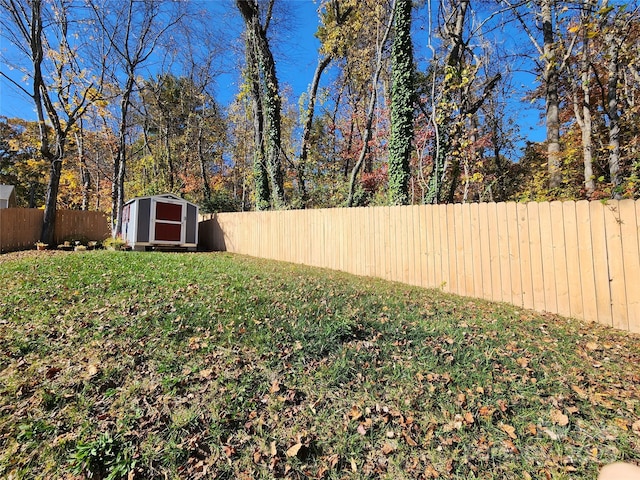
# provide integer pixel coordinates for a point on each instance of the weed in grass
(109, 457)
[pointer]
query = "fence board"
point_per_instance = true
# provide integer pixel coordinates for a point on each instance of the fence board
(612, 221)
(459, 252)
(585, 256)
(631, 255)
(441, 212)
(494, 253)
(485, 253)
(559, 258)
(20, 227)
(514, 253)
(474, 227)
(430, 281)
(600, 262)
(451, 244)
(503, 249)
(574, 258)
(548, 266)
(574, 283)
(467, 258)
(524, 245)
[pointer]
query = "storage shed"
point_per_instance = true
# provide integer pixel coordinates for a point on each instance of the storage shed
(7, 196)
(160, 221)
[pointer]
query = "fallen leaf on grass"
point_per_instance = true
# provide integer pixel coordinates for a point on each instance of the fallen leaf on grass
(431, 472)
(581, 393)
(636, 427)
(410, 441)
(355, 413)
(592, 346)
(552, 435)
(621, 423)
(559, 418)
(509, 430)
(206, 374)
(387, 448)
(362, 430)
(511, 447)
(293, 451)
(92, 370)
(486, 412)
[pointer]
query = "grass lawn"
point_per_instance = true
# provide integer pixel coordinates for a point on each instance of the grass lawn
(155, 365)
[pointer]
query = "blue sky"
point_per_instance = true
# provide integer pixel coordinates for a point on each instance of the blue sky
(296, 53)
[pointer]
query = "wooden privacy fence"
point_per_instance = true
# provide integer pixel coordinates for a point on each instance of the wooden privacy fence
(578, 259)
(20, 227)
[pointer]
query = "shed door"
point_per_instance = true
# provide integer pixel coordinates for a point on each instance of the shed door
(168, 225)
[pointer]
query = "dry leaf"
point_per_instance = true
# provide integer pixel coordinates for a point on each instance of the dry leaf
(92, 369)
(468, 417)
(410, 441)
(559, 418)
(636, 427)
(486, 412)
(552, 435)
(275, 386)
(272, 449)
(362, 430)
(532, 429)
(431, 472)
(511, 447)
(592, 346)
(622, 423)
(523, 362)
(293, 451)
(509, 430)
(581, 393)
(387, 448)
(206, 374)
(355, 413)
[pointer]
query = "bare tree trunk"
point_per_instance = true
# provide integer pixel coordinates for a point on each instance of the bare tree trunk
(203, 167)
(613, 70)
(85, 175)
(586, 125)
(551, 81)
(306, 131)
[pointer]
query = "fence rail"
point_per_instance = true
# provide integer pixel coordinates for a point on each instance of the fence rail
(579, 259)
(20, 227)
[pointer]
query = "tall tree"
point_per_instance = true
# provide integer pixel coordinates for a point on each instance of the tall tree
(132, 30)
(266, 94)
(402, 105)
(552, 60)
(371, 108)
(61, 89)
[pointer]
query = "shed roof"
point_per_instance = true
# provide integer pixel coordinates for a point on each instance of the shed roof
(167, 196)
(6, 191)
